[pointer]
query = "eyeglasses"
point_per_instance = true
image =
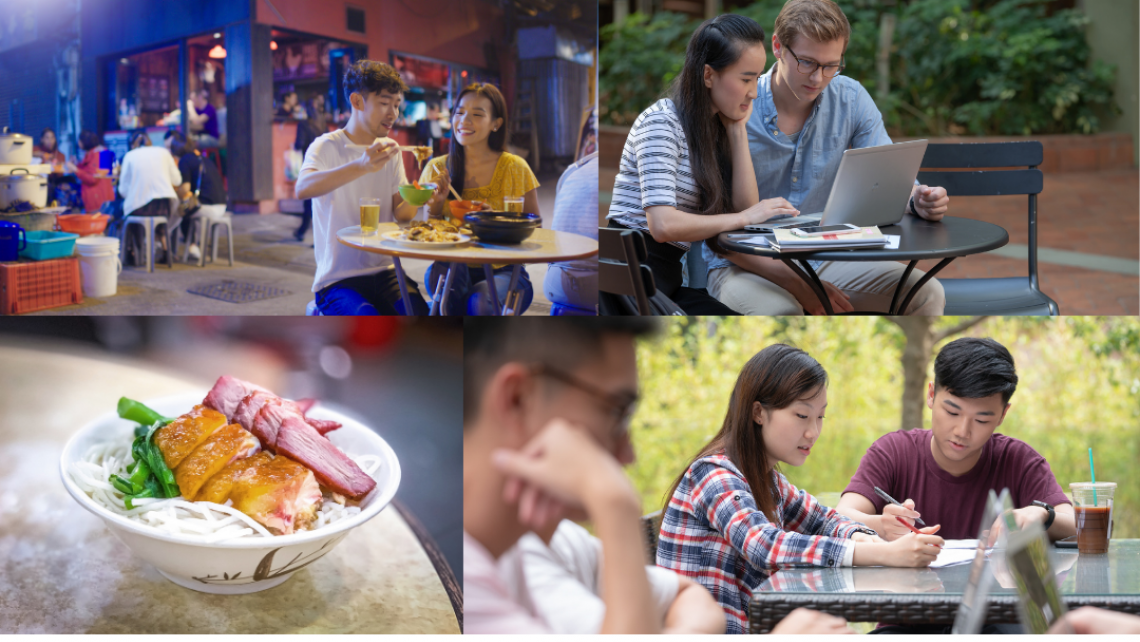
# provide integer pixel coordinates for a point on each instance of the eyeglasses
(619, 407)
(807, 67)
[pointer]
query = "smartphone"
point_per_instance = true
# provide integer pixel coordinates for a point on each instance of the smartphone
(1068, 542)
(819, 230)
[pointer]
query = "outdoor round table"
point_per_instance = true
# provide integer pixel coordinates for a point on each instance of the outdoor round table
(933, 595)
(919, 240)
(64, 572)
(543, 246)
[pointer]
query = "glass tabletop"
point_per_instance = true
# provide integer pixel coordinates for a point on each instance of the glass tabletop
(1115, 574)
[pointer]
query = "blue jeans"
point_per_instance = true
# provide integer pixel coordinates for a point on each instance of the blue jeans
(369, 295)
(469, 291)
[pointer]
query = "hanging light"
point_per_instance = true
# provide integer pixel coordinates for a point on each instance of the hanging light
(273, 45)
(217, 52)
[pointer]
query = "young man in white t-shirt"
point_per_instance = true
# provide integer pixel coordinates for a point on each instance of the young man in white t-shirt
(350, 281)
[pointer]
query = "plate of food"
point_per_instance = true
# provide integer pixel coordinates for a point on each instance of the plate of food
(428, 236)
(232, 490)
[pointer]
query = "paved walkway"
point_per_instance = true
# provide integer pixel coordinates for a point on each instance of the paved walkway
(1088, 239)
(265, 254)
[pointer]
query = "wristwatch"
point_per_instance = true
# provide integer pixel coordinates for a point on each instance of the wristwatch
(911, 208)
(1052, 513)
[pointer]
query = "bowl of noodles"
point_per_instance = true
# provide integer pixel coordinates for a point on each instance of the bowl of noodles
(210, 547)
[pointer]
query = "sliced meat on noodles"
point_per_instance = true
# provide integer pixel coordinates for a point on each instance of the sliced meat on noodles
(180, 437)
(225, 446)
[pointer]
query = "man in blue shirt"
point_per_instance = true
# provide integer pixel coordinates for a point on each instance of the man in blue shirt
(804, 117)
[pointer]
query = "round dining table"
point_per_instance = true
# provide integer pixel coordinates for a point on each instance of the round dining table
(919, 240)
(64, 572)
(543, 246)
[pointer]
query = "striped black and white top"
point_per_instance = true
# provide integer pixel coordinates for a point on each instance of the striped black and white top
(654, 169)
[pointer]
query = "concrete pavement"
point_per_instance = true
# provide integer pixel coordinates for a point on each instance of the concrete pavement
(265, 253)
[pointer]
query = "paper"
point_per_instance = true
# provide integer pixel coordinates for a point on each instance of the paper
(960, 543)
(762, 241)
(953, 557)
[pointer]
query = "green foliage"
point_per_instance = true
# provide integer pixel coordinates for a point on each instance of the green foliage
(1004, 67)
(1073, 394)
(640, 56)
(1009, 69)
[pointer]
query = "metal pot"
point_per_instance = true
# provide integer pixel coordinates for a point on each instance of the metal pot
(23, 187)
(15, 149)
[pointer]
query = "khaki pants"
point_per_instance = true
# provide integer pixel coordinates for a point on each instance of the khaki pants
(870, 286)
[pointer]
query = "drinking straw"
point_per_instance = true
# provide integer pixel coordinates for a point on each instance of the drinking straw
(1093, 470)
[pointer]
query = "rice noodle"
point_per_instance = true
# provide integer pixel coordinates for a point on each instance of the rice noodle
(208, 521)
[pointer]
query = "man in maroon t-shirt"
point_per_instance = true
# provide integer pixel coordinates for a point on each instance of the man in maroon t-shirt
(944, 475)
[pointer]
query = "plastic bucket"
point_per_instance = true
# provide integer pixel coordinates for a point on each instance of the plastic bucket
(99, 265)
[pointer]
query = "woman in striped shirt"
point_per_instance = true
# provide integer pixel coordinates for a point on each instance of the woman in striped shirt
(686, 172)
(733, 518)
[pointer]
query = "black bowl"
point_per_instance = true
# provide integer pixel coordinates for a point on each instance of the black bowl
(502, 227)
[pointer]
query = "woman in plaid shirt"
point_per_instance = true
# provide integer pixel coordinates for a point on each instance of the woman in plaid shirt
(733, 519)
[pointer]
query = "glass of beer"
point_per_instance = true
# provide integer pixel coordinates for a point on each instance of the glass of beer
(513, 204)
(369, 216)
(1092, 504)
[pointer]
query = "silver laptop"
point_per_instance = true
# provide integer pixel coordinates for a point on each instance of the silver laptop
(872, 187)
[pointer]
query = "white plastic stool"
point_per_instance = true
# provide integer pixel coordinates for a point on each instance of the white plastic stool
(196, 233)
(149, 224)
(228, 222)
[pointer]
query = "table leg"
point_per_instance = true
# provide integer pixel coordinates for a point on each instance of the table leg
(921, 282)
(812, 280)
(403, 287)
(892, 311)
(440, 305)
(489, 274)
(513, 295)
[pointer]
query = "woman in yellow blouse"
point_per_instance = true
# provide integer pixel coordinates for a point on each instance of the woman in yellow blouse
(480, 170)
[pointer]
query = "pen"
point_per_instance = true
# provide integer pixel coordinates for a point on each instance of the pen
(882, 493)
(918, 532)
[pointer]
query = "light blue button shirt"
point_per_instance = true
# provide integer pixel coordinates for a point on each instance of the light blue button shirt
(802, 171)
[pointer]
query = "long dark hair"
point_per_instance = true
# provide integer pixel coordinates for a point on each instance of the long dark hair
(317, 119)
(54, 149)
(717, 43)
(180, 145)
(456, 157)
(89, 140)
(777, 377)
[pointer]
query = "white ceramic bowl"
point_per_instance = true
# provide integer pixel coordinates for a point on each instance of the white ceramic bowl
(245, 565)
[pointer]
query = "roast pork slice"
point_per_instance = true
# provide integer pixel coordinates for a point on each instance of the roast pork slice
(322, 425)
(227, 393)
(247, 408)
(301, 442)
(268, 421)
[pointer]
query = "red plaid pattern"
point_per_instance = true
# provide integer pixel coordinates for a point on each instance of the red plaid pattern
(714, 533)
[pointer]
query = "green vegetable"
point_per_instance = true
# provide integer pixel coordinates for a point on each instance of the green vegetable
(150, 476)
(137, 412)
(139, 476)
(145, 493)
(122, 485)
(162, 473)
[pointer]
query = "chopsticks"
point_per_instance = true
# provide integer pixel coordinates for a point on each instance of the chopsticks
(403, 148)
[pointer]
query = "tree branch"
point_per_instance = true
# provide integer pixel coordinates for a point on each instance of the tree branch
(961, 327)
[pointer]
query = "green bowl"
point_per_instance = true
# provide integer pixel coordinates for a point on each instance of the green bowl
(415, 196)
